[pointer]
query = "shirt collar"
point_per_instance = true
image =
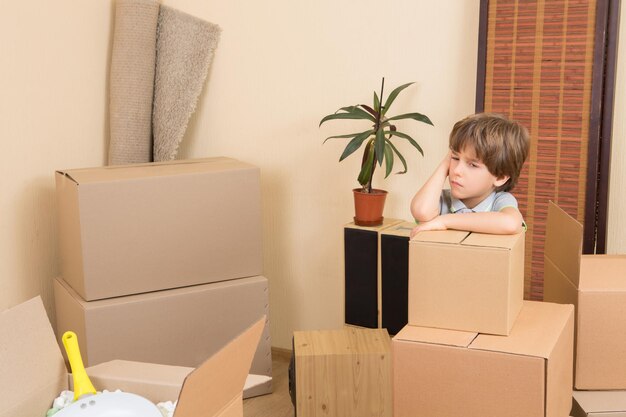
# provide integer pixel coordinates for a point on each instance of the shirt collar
(486, 205)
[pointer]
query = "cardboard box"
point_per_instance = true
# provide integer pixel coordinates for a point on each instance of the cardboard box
(34, 373)
(599, 404)
(596, 285)
(362, 274)
(466, 281)
(443, 373)
(146, 227)
(343, 373)
(178, 327)
(153, 381)
(394, 259)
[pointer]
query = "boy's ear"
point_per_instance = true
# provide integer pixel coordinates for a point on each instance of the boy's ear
(501, 181)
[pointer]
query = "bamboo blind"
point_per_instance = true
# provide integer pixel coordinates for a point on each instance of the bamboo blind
(538, 71)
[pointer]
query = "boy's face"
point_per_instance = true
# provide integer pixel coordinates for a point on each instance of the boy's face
(470, 180)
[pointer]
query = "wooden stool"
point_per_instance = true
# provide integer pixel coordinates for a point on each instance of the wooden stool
(343, 373)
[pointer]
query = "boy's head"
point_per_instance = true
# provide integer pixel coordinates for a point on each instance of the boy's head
(499, 143)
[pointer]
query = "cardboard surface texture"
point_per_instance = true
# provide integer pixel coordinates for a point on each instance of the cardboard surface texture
(343, 373)
(146, 227)
(446, 373)
(34, 373)
(596, 285)
(180, 327)
(466, 281)
(599, 404)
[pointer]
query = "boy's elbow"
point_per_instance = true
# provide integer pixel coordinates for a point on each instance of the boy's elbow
(512, 227)
(423, 215)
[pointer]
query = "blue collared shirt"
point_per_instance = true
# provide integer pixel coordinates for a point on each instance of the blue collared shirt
(495, 201)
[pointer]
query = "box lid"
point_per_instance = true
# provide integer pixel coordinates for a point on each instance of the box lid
(33, 370)
(213, 387)
(441, 236)
(435, 336)
(602, 402)
(153, 169)
(492, 241)
(401, 229)
(564, 242)
(602, 273)
(345, 341)
(387, 222)
(527, 337)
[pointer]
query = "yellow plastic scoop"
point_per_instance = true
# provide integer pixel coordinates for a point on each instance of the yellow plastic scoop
(110, 404)
(82, 383)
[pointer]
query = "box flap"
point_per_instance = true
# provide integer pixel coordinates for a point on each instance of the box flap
(386, 224)
(435, 336)
(152, 169)
(33, 370)
(492, 241)
(601, 401)
(402, 229)
(214, 385)
(602, 273)
(564, 242)
(441, 236)
(535, 333)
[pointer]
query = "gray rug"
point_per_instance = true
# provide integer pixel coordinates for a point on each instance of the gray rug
(132, 81)
(185, 49)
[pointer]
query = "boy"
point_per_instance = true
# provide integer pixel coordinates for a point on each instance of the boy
(486, 156)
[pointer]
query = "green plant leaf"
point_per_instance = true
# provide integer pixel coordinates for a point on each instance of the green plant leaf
(376, 102)
(355, 144)
(370, 110)
(407, 137)
(379, 146)
(415, 116)
(399, 156)
(349, 112)
(366, 167)
(393, 96)
(349, 135)
(388, 159)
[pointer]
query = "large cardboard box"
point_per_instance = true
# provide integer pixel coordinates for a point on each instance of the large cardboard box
(343, 373)
(34, 373)
(599, 404)
(443, 373)
(596, 285)
(362, 274)
(466, 281)
(146, 227)
(178, 327)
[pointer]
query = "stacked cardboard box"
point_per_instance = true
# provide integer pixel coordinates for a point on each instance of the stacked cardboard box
(161, 262)
(596, 285)
(473, 347)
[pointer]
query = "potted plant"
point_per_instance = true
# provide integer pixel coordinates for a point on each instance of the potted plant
(369, 202)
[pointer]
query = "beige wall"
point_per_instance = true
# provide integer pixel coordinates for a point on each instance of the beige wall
(280, 67)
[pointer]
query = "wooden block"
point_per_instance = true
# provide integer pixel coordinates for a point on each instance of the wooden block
(343, 372)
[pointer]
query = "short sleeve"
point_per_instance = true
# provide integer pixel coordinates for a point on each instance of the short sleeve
(503, 200)
(445, 202)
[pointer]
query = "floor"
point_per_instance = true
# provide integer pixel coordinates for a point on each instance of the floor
(278, 403)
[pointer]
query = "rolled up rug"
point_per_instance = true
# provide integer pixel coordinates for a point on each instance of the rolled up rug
(132, 81)
(185, 50)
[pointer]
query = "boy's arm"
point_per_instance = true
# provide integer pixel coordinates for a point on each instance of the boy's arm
(507, 221)
(425, 203)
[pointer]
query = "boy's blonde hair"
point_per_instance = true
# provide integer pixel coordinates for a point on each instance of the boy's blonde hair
(501, 144)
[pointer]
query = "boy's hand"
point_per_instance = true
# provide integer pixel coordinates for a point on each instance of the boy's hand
(434, 224)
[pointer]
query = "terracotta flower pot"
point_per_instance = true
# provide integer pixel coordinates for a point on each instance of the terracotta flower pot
(368, 207)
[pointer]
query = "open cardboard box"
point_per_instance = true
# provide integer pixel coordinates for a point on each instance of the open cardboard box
(34, 373)
(596, 285)
(466, 281)
(599, 404)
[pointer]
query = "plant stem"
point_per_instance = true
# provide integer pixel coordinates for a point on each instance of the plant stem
(378, 119)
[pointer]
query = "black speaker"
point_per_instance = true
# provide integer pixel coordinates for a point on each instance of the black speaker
(361, 277)
(394, 254)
